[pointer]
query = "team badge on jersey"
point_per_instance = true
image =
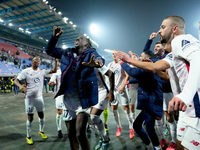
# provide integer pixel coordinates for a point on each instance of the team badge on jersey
(116, 71)
(36, 80)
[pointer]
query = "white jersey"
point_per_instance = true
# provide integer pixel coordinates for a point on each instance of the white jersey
(101, 78)
(186, 58)
(56, 78)
(174, 81)
(119, 74)
(34, 81)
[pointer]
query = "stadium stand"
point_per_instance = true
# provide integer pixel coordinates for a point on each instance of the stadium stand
(13, 50)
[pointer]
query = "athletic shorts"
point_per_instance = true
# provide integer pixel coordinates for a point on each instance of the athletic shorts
(59, 102)
(73, 108)
(32, 103)
(191, 139)
(166, 98)
(181, 126)
(133, 93)
(102, 102)
(123, 97)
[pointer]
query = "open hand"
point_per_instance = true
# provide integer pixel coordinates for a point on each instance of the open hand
(93, 62)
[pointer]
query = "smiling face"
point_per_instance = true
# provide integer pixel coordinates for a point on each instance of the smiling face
(158, 49)
(36, 62)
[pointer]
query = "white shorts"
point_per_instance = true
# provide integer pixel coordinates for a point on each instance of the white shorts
(133, 93)
(191, 139)
(181, 126)
(167, 97)
(32, 103)
(59, 102)
(123, 97)
(73, 108)
(68, 116)
(102, 104)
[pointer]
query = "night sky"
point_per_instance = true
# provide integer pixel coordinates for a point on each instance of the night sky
(127, 24)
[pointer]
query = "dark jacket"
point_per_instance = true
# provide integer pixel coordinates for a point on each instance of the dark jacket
(85, 76)
(166, 88)
(150, 95)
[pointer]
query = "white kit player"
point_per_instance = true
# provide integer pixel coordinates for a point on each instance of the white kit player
(133, 89)
(120, 93)
(34, 78)
(55, 80)
(105, 96)
(186, 52)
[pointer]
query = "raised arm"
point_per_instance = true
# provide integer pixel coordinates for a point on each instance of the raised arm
(50, 48)
(152, 67)
(149, 42)
(54, 70)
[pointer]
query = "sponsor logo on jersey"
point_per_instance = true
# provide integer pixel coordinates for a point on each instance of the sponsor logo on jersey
(195, 143)
(36, 80)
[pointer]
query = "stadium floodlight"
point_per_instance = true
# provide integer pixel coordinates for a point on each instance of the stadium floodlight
(21, 29)
(87, 37)
(108, 50)
(28, 32)
(70, 22)
(47, 40)
(64, 46)
(65, 19)
(94, 29)
(44, 0)
(10, 24)
(54, 9)
(1, 20)
(74, 26)
(85, 34)
(59, 13)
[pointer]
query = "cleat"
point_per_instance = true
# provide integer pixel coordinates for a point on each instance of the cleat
(99, 144)
(172, 146)
(106, 127)
(60, 135)
(43, 135)
(29, 141)
(105, 145)
(131, 135)
(163, 143)
(118, 133)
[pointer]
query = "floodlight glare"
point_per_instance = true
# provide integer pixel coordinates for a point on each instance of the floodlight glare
(64, 47)
(94, 29)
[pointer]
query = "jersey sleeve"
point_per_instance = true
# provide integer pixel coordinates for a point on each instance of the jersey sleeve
(190, 51)
(168, 59)
(53, 77)
(22, 75)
